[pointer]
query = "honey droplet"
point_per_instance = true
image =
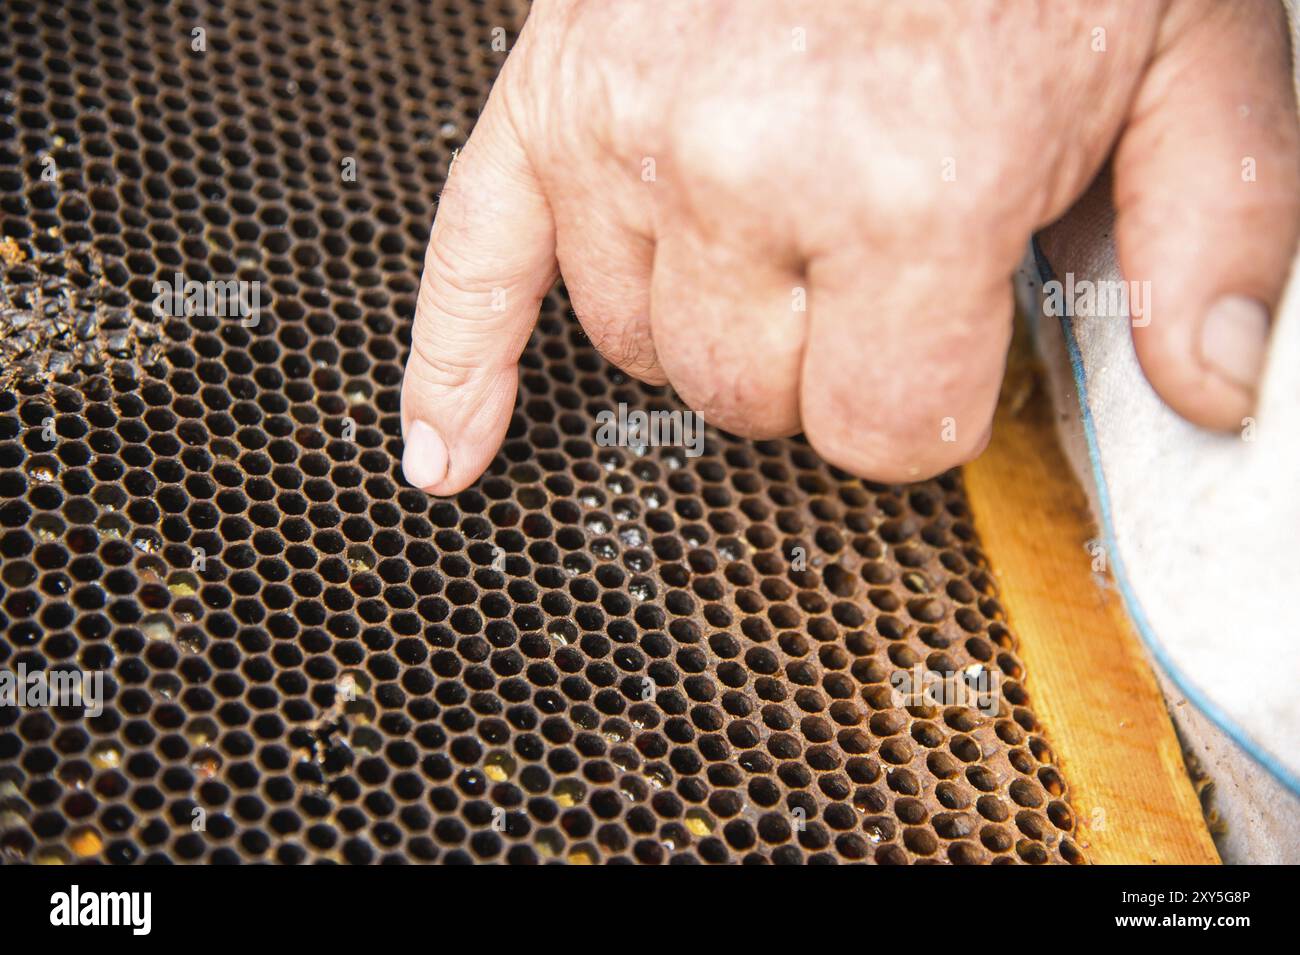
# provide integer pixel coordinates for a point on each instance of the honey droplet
(86, 842)
(206, 763)
(182, 584)
(156, 626)
(699, 822)
(549, 843)
(499, 767)
(569, 793)
(106, 756)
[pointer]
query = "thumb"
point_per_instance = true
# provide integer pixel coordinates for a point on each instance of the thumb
(490, 261)
(1207, 190)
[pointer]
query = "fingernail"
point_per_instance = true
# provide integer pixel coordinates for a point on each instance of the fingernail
(1234, 340)
(424, 462)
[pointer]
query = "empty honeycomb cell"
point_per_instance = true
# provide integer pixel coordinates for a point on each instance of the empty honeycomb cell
(595, 654)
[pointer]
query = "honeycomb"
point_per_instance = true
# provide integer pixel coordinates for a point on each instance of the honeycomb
(595, 654)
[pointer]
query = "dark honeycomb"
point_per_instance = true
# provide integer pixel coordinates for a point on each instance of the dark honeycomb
(331, 665)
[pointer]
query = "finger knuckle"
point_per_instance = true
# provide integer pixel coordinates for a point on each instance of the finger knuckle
(436, 367)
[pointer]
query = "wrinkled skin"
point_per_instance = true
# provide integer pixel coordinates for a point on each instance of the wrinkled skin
(892, 170)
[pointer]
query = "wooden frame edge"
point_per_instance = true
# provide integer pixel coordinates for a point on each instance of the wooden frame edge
(1088, 675)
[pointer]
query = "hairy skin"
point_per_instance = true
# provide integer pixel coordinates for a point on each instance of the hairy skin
(893, 168)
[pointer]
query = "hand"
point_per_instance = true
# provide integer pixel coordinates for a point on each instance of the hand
(697, 167)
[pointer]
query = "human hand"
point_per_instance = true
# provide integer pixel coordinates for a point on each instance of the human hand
(697, 167)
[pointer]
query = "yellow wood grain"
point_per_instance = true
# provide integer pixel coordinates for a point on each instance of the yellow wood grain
(1089, 680)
